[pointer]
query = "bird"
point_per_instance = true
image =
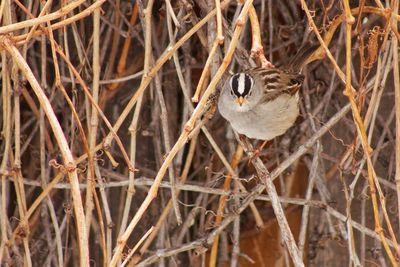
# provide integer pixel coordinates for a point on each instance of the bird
(263, 103)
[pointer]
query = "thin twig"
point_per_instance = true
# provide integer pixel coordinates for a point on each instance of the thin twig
(396, 74)
(183, 137)
(221, 204)
(62, 142)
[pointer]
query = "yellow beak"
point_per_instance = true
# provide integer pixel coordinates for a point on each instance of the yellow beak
(240, 100)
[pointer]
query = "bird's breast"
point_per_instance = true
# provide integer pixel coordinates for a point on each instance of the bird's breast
(266, 120)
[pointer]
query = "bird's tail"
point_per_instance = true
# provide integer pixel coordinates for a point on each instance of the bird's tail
(302, 57)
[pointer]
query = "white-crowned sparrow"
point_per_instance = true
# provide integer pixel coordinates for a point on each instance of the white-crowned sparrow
(263, 103)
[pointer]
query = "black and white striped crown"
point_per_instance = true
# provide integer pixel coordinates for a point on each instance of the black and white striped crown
(241, 84)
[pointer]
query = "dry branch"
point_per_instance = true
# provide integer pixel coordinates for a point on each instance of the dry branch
(73, 72)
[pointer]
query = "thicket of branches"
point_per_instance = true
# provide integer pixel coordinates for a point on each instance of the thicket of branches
(113, 151)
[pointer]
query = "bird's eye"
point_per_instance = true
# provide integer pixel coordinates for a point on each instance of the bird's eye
(250, 92)
(232, 93)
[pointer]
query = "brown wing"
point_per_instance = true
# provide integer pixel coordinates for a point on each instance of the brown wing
(277, 81)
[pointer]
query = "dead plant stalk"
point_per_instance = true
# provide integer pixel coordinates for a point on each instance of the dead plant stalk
(349, 92)
(69, 163)
(184, 135)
